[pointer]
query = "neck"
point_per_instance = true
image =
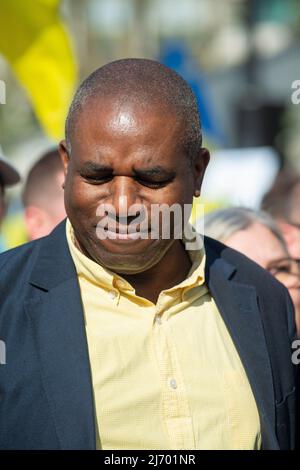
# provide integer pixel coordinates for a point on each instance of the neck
(171, 270)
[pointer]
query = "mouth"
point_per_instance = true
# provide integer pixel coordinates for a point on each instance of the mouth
(124, 236)
(125, 233)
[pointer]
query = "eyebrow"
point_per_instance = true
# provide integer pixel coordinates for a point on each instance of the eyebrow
(96, 167)
(154, 171)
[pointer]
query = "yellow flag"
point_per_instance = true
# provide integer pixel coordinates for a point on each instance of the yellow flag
(33, 39)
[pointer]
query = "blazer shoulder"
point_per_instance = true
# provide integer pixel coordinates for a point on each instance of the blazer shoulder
(25, 255)
(19, 254)
(247, 270)
(16, 265)
(273, 295)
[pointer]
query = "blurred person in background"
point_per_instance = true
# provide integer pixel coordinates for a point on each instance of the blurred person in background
(43, 195)
(283, 203)
(256, 235)
(8, 177)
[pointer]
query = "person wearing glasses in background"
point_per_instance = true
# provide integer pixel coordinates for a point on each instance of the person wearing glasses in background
(282, 201)
(256, 235)
(8, 177)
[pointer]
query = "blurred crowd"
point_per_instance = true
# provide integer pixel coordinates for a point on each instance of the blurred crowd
(269, 236)
(42, 195)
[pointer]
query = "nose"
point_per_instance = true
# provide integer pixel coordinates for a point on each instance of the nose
(124, 195)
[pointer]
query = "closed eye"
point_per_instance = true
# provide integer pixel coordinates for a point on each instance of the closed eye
(153, 184)
(97, 179)
(101, 179)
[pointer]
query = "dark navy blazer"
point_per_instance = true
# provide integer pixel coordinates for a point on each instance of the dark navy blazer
(46, 396)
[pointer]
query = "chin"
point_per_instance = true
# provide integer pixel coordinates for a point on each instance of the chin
(126, 264)
(130, 263)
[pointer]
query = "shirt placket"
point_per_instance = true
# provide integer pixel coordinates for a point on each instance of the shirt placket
(175, 408)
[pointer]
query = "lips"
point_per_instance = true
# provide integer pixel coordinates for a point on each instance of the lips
(122, 233)
(123, 236)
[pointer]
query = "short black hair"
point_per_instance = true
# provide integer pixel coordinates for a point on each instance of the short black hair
(40, 180)
(148, 83)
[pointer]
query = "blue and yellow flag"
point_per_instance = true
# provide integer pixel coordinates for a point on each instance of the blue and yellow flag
(35, 42)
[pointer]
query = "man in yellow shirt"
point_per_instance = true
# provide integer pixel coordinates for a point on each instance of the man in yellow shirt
(125, 328)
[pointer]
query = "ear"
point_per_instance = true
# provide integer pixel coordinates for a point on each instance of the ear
(35, 220)
(64, 155)
(199, 167)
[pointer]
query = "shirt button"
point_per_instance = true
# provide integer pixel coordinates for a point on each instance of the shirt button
(173, 383)
(120, 283)
(158, 319)
(112, 294)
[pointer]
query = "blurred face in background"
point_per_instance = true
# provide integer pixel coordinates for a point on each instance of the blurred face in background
(291, 227)
(258, 243)
(47, 211)
(262, 246)
(287, 271)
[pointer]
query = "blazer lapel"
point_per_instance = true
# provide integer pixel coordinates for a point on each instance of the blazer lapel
(55, 309)
(237, 304)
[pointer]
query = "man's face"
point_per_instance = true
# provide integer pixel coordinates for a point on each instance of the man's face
(122, 155)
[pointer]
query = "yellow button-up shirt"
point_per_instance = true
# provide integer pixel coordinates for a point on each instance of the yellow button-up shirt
(165, 375)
